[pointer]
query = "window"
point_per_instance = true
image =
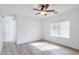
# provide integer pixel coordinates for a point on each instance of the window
(54, 29)
(60, 29)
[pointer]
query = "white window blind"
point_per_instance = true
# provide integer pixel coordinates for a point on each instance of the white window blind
(60, 29)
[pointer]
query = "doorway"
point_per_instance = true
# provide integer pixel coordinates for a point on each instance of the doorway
(9, 29)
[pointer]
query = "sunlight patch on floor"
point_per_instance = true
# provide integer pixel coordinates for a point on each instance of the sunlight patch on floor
(43, 46)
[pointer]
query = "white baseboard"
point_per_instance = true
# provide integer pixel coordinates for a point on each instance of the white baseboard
(27, 41)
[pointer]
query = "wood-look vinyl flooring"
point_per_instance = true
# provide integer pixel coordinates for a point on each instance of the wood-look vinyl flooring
(36, 48)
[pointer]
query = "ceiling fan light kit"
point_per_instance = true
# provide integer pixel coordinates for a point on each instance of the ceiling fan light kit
(43, 12)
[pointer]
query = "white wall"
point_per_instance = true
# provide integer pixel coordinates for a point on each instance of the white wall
(73, 41)
(28, 29)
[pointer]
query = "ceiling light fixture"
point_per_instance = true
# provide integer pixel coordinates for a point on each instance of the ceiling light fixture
(43, 13)
(43, 9)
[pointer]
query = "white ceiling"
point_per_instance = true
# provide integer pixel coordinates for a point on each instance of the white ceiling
(27, 9)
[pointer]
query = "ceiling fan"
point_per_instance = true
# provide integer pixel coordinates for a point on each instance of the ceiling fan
(43, 9)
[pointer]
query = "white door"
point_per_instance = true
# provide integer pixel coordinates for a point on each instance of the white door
(10, 28)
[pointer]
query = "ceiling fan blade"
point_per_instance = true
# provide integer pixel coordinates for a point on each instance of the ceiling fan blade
(36, 9)
(37, 13)
(50, 10)
(55, 12)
